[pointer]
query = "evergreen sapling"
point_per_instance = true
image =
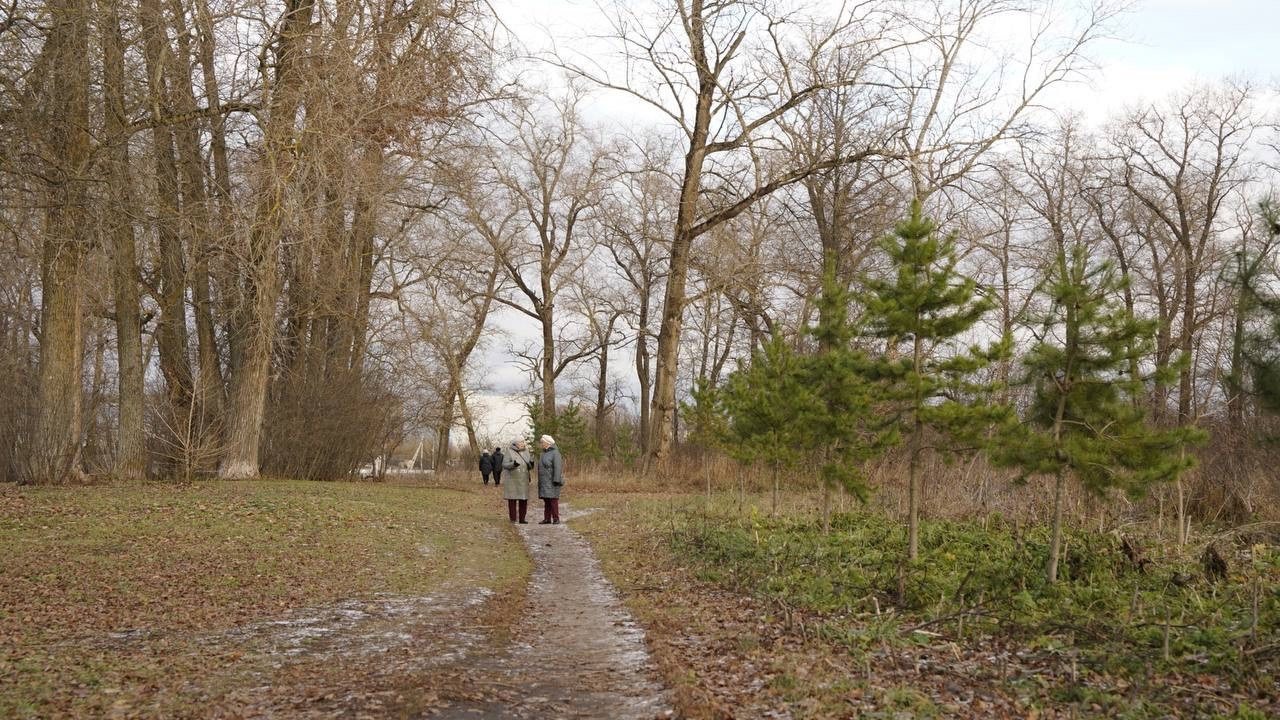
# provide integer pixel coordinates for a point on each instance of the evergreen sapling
(931, 381)
(1083, 423)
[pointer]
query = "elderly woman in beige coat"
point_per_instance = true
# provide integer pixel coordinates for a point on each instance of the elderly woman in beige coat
(516, 465)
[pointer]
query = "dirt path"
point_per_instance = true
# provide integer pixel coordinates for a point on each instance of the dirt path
(577, 653)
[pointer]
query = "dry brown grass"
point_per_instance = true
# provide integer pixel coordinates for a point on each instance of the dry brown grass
(1235, 485)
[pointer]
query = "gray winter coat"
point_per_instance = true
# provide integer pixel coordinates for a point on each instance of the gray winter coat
(515, 465)
(550, 473)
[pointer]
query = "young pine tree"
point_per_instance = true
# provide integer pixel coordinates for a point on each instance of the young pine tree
(786, 408)
(1260, 349)
(568, 427)
(842, 424)
(764, 404)
(932, 384)
(1082, 423)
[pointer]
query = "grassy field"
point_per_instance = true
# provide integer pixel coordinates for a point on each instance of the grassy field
(751, 611)
(151, 599)
(312, 599)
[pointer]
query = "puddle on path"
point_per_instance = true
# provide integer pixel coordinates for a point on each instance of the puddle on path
(355, 628)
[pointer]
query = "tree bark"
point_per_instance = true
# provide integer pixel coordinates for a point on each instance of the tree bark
(53, 445)
(1071, 347)
(443, 432)
(197, 223)
(548, 358)
(662, 435)
(175, 364)
(913, 462)
(1235, 377)
(261, 287)
(472, 441)
(643, 363)
(1186, 341)
(222, 272)
(1055, 540)
(130, 459)
(362, 258)
(602, 386)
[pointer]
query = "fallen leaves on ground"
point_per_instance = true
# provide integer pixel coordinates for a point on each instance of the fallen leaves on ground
(237, 599)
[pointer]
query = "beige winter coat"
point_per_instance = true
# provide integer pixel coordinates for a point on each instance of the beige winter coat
(515, 471)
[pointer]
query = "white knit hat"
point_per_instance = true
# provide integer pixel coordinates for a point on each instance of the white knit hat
(547, 439)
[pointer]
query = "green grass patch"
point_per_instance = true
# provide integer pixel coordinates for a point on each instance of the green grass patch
(970, 583)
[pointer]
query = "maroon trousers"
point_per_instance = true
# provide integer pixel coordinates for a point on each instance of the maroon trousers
(517, 508)
(551, 509)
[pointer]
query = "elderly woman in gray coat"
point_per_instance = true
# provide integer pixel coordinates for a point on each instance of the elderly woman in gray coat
(550, 479)
(517, 463)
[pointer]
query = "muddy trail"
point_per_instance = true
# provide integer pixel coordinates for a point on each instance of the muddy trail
(574, 652)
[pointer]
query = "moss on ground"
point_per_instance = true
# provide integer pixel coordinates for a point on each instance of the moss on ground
(972, 628)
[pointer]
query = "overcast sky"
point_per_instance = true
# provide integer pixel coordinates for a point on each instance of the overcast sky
(1164, 45)
(1171, 43)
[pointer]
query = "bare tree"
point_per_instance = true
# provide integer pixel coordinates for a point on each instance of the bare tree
(130, 460)
(547, 179)
(450, 318)
(260, 288)
(698, 65)
(162, 79)
(638, 212)
(1182, 162)
(695, 63)
(52, 452)
(960, 93)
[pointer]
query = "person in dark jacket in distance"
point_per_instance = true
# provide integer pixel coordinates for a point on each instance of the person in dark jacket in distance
(550, 479)
(486, 466)
(497, 466)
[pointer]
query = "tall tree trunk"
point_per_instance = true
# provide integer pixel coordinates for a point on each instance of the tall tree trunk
(1235, 378)
(175, 365)
(913, 461)
(1130, 307)
(643, 360)
(602, 388)
(663, 417)
(53, 448)
(443, 432)
(197, 221)
(1055, 539)
(472, 442)
(221, 271)
(1183, 525)
(261, 287)
(646, 412)
(1006, 317)
(548, 363)
(363, 228)
(662, 435)
(130, 459)
(1071, 347)
(1186, 341)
